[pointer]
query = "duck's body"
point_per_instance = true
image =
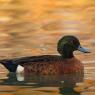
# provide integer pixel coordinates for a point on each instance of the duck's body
(51, 64)
(46, 64)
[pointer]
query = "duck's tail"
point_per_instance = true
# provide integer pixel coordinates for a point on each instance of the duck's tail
(9, 64)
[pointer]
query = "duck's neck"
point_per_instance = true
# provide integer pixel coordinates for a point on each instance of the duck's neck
(67, 55)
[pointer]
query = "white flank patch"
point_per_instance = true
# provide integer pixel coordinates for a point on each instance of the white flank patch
(20, 69)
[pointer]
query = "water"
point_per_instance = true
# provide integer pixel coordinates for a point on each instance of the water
(67, 84)
(33, 27)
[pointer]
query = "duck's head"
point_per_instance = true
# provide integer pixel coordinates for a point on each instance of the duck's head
(68, 44)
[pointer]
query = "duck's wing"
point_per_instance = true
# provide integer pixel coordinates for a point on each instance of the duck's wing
(12, 64)
(32, 59)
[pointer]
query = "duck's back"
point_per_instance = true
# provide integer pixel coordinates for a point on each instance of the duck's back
(51, 64)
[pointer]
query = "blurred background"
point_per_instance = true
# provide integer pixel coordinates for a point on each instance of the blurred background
(33, 27)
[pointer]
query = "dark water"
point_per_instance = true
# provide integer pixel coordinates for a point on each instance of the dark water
(33, 27)
(67, 84)
(41, 85)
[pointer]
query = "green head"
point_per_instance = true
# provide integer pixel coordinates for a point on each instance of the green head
(68, 44)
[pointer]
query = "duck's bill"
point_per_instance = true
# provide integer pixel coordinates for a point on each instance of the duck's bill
(84, 49)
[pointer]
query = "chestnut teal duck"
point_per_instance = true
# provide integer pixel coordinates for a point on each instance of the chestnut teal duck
(66, 62)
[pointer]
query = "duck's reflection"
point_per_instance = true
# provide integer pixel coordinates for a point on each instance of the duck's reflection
(65, 82)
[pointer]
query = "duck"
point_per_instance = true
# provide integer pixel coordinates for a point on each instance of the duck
(63, 63)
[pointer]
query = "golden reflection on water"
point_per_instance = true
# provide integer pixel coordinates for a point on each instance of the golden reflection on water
(33, 27)
(67, 84)
(52, 85)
